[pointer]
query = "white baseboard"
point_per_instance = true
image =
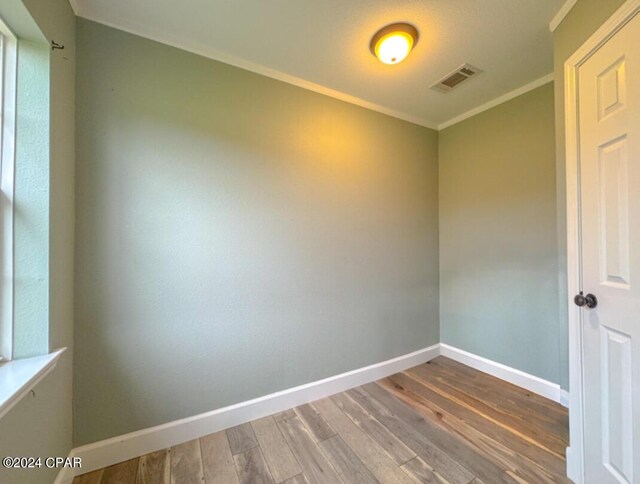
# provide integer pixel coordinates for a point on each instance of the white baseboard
(542, 387)
(124, 447)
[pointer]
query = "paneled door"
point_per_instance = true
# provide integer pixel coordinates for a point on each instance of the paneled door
(609, 167)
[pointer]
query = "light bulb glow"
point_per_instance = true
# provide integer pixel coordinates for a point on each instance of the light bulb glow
(394, 47)
(393, 43)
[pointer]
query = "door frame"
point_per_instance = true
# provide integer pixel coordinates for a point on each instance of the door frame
(575, 451)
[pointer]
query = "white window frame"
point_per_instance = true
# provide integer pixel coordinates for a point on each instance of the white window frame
(8, 83)
(18, 376)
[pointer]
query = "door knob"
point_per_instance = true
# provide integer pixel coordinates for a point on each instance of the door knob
(589, 300)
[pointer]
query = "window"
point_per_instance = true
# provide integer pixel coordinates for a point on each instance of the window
(8, 70)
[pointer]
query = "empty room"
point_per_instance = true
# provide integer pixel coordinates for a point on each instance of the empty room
(319, 241)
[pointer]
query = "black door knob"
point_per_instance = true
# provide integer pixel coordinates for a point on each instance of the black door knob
(589, 300)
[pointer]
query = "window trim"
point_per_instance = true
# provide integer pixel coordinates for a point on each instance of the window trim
(8, 95)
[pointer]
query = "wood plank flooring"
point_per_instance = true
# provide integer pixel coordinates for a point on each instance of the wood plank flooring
(441, 422)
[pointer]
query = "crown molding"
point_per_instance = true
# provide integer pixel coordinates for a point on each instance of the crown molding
(205, 51)
(497, 101)
(562, 13)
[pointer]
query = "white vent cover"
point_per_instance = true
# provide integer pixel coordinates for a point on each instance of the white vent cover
(457, 77)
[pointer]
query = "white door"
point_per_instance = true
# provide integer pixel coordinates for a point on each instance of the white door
(609, 134)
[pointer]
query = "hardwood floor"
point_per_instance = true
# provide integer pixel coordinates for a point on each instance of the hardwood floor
(435, 423)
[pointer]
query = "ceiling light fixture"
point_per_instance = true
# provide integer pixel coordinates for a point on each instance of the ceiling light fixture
(391, 44)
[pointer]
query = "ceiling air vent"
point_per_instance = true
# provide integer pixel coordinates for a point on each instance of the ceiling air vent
(456, 78)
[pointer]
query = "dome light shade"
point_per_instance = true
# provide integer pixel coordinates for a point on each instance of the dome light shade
(392, 43)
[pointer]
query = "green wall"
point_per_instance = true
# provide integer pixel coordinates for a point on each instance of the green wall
(199, 215)
(236, 235)
(498, 251)
(581, 22)
(460, 329)
(41, 423)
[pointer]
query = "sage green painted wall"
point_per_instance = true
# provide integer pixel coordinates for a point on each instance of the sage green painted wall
(581, 22)
(41, 423)
(498, 252)
(236, 235)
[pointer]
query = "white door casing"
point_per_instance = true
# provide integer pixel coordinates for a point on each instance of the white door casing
(609, 119)
(603, 185)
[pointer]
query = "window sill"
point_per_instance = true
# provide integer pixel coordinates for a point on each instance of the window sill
(18, 377)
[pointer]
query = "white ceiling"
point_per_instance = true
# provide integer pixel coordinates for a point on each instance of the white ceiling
(324, 45)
